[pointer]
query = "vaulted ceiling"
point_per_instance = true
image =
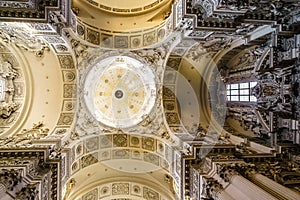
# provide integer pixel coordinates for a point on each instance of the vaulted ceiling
(115, 95)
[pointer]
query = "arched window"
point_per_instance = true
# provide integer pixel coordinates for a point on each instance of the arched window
(241, 92)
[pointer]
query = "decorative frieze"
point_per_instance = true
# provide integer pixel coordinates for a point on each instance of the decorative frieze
(19, 168)
(31, 10)
(25, 137)
(124, 189)
(23, 39)
(122, 40)
(10, 178)
(30, 191)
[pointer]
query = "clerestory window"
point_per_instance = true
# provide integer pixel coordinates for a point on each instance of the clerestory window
(241, 92)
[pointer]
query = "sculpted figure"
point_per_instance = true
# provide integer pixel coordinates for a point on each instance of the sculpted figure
(7, 72)
(7, 105)
(6, 109)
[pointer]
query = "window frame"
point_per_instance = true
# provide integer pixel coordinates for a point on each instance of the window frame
(241, 92)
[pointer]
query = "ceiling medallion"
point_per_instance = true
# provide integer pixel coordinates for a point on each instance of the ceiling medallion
(120, 91)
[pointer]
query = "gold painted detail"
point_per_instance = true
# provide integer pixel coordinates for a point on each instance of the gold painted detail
(119, 90)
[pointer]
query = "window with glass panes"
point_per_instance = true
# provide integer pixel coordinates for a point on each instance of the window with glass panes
(241, 92)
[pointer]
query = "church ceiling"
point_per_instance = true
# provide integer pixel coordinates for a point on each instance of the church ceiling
(138, 99)
(118, 28)
(28, 10)
(37, 50)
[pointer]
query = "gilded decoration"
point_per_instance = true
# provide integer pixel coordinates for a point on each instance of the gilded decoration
(66, 61)
(122, 99)
(119, 129)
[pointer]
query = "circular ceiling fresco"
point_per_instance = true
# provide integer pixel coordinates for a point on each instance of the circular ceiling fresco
(120, 91)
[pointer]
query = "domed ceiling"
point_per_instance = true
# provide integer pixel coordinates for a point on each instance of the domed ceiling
(120, 91)
(127, 101)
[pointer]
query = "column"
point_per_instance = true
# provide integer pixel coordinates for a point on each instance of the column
(223, 195)
(280, 191)
(236, 193)
(249, 189)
